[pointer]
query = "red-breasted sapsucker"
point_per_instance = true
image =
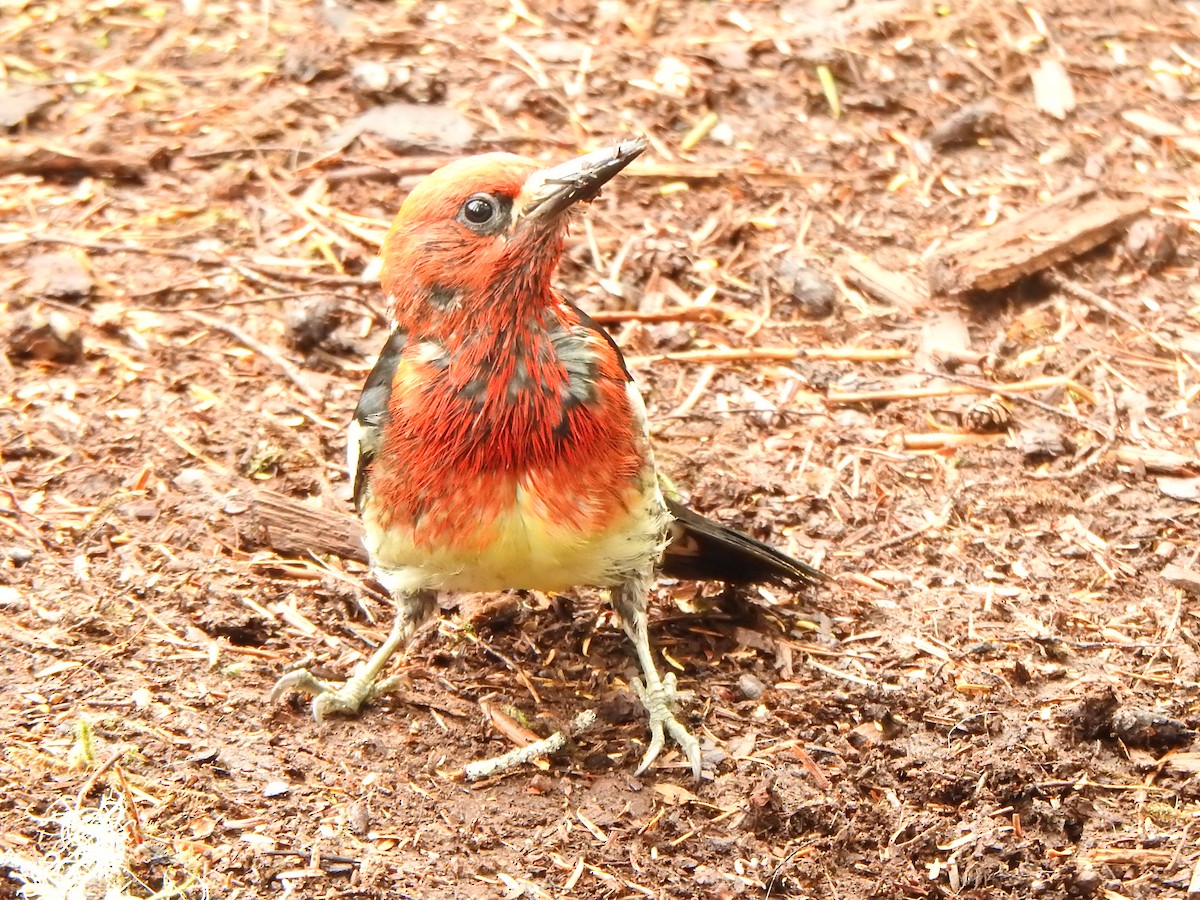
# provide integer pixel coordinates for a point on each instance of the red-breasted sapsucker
(500, 441)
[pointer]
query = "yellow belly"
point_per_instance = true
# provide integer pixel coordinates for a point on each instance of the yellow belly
(524, 548)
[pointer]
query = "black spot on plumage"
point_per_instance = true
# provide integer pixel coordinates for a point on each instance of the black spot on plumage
(587, 323)
(475, 390)
(580, 362)
(521, 380)
(442, 297)
(562, 431)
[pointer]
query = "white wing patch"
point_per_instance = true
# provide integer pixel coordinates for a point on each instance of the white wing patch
(638, 406)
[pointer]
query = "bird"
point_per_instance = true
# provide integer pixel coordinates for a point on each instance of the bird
(500, 441)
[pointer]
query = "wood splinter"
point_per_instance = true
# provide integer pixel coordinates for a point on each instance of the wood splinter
(297, 527)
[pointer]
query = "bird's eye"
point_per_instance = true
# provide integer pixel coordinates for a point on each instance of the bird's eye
(479, 210)
(486, 214)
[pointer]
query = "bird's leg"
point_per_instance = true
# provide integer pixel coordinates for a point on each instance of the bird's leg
(657, 694)
(412, 610)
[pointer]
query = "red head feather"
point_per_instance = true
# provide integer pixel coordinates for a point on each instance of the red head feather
(431, 250)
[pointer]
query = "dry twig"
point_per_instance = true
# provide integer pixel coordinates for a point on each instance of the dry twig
(776, 354)
(496, 765)
(294, 375)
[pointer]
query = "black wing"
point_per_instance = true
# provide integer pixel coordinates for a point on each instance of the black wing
(704, 550)
(370, 414)
(592, 325)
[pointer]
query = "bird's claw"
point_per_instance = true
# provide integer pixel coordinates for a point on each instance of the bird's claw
(659, 702)
(328, 698)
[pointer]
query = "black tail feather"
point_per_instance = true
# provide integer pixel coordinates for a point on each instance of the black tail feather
(703, 550)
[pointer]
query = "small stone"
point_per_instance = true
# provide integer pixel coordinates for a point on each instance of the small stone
(1182, 577)
(1085, 883)
(58, 276)
(1151, 243)
(191, 480)
(358, 819)
(20, 555)
(966, 125)
(145, 511)
(52, 337)
(310, 324)
(1094, 166)
(751, 687)
(369, 75)
(276, 789)
(669, 336)
(19, 104)
(1043, 440)
(404, 126)
(813, 293)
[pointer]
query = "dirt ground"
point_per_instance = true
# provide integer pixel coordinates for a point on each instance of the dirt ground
(996, 696)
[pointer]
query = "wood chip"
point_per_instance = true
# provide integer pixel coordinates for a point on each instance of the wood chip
(1068, 225)
(1187, 763)
(1179, 488)
(1052, 90)
(1042, 439)
(1166, 462)
(293, 526)
(22, 102)
(1129, 856)
(1183, 578)
(58, 162)
(945, 341)
(895, 288)
(1152, 124)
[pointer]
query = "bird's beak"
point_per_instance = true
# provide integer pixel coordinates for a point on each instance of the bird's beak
(549, 192)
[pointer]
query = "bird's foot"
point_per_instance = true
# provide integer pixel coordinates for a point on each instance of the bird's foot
(659, 701)
(328, 698)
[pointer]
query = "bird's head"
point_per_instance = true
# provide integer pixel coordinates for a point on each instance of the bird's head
(488, 229)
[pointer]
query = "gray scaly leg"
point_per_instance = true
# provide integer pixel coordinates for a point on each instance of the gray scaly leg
(411, 612)
(657, 694)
